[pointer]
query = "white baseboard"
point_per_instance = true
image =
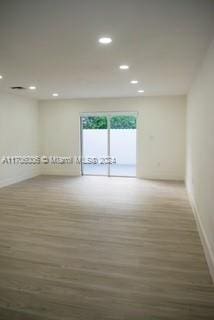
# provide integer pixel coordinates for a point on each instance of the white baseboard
(55, 171)
(9, 181)
(58, 173)
(164, 177)
(204, 240)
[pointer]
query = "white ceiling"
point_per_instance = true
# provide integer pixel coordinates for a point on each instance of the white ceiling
(53, 44)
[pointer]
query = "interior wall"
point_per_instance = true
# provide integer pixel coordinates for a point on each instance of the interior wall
(18, 136)
(200, 152)
(160, 137)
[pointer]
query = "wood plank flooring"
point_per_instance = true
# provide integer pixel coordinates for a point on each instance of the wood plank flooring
(97, 248)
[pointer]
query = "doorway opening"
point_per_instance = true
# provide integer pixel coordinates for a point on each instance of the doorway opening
(108, 144)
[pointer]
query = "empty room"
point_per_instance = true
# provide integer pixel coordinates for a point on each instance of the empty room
(106, 160)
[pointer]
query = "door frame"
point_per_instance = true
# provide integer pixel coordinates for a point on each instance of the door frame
(108, 115)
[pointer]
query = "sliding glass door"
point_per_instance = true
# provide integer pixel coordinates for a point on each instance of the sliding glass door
(109, 144)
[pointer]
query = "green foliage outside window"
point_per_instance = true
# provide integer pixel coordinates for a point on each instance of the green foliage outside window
(123, 122)
(117, 122)
(95, 123)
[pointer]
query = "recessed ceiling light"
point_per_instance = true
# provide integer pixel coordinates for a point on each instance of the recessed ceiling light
(55, 94)
(105, 40)
(140, 91)
(124, 67)
(1, 77)
(134, 82)
(32, 87)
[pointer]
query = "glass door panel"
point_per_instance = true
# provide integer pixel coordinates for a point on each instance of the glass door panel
(94, 145)
(123, 145)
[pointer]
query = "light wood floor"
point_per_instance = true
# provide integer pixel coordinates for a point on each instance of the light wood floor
(96, 248)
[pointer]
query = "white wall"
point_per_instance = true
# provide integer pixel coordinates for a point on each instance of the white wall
(160, 138)
(200, 152)
(18, 136)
